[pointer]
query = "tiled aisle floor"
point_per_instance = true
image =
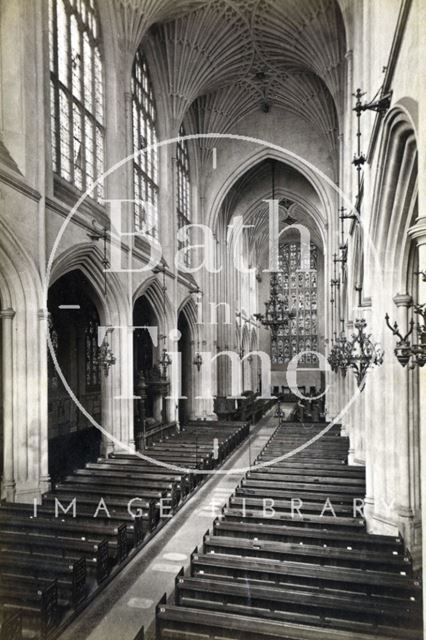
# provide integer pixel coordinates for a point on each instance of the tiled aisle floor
(129, 601)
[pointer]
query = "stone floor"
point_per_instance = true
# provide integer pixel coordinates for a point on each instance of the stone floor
(129, 601)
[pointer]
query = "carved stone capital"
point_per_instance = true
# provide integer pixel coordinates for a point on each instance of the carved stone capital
(403, 300)
(418, 231)
(7, 314)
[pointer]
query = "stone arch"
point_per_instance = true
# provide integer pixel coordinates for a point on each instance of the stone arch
(394, 212)
(88, 259)
(282, 156)
(188, 345)
(152, 289)
(115, 312)
(24, 327)
(395, 202)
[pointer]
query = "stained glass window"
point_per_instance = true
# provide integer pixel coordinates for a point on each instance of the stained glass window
(76, 93)
(145, 164)
(93, 380)
(183, 194)
(298, 290)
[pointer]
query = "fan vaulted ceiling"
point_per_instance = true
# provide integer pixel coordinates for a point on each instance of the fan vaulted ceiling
(224, 59)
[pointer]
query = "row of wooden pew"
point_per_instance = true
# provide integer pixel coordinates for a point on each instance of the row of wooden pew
(57, 555)
(249, 407)
(290, 556)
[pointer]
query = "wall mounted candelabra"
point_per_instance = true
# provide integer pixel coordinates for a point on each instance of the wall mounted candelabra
(198, 359)
(106, 356)
(405, 351)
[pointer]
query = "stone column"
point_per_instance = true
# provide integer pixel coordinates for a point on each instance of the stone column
(401, 408)
(418, 234)
(107, 445)
(8, 480)
(44, 477)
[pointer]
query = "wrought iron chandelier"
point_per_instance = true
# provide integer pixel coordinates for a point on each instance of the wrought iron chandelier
(165, 360)
(340, 354)
(276, 315)
(364, 353)
(198, 359)
(415, 353)
(359, 353)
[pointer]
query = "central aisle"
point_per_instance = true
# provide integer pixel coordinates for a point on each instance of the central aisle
(129, 601)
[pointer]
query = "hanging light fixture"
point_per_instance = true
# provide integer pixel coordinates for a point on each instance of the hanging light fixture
(362, 352)
(340, 355)
(275, 316)
(359, 353)
(165, 360)
(198, 359)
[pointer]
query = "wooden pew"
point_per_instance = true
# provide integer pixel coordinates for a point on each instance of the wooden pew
(244, 528)
(369, 582)
(282, 516)
(136, 527)
(10, 624)
(97, 555)
(32, 606)
(313, 554)
(12, 518)
(290, 604)
(71, 576)
(180, 623)
(308, 576)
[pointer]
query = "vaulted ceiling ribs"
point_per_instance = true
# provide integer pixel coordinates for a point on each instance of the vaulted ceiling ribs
(225, 59)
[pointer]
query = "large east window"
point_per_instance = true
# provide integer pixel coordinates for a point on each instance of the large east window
(183, 194)
(76, 93)
(298, 291)
(145, 161)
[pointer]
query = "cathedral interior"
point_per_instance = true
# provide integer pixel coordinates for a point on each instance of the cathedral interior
(212, 319)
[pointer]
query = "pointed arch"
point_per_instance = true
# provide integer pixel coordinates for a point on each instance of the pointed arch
(24, 378)
(162, 307)
(395, 202)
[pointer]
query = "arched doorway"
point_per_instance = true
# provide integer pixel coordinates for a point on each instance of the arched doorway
(185, 350)
(73, 324)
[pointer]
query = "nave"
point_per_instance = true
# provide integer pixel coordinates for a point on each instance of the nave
(206, 204)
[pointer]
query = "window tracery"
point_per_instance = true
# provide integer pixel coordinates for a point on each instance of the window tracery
(76, 93)
(298, 291)
(145, 163)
